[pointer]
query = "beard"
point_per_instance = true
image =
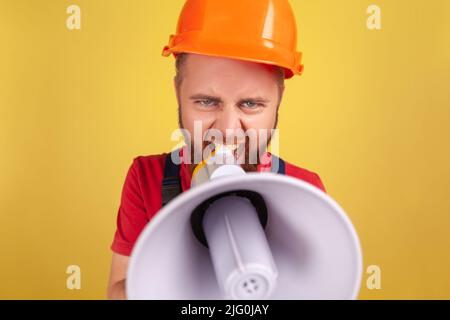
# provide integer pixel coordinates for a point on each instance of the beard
(248, 154)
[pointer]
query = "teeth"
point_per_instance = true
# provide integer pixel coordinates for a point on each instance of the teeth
(231, 147)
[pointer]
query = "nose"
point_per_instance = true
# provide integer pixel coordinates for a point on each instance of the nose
(229, 123)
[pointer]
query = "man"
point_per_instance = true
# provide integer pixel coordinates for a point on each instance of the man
(232, 58)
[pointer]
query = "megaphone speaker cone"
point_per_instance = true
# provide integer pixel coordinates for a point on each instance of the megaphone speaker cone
(308, 249)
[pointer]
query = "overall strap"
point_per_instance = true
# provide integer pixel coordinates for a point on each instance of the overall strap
(171, 184)
(278, 165)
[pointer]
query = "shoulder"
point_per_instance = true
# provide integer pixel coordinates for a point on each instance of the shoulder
(304, 174)
(149, 163)
(147, 171)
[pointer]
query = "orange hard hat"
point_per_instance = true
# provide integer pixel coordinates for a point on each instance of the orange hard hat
(253, 30)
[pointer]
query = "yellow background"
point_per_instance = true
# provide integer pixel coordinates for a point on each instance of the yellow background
(370, 115)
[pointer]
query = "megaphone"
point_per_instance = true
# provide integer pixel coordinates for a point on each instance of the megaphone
(247, 236)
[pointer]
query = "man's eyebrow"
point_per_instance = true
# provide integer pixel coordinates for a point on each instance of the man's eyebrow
(201, 96)
(255, 100)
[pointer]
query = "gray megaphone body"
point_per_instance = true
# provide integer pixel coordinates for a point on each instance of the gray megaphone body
(237, 235)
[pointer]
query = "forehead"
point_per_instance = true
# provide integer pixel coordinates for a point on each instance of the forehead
(224, 73)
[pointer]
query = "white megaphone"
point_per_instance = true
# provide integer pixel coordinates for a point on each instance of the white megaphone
(246, 236)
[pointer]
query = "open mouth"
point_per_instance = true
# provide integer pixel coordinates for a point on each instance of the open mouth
(235, 149)
(231, 147)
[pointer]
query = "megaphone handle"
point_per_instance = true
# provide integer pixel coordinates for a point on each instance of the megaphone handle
(240, 254)
(197, 215)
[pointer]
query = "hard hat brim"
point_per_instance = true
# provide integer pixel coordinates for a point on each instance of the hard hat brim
(268, 52)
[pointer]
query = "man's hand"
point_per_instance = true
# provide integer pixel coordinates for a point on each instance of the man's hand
(117, 277)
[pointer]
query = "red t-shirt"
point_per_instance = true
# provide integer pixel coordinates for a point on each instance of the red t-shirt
(141, 195)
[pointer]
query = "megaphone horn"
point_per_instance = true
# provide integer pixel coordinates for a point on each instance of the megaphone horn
(247, 236)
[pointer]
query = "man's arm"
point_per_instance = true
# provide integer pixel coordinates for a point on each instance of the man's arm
(117, 277)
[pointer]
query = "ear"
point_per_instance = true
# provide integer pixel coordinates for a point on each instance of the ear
(177, 93)
(281, 91)
(282, 87)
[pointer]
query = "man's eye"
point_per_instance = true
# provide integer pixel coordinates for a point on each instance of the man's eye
(251, 104)
(206, 102)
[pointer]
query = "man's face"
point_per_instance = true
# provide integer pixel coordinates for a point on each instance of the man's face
(230, 97)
